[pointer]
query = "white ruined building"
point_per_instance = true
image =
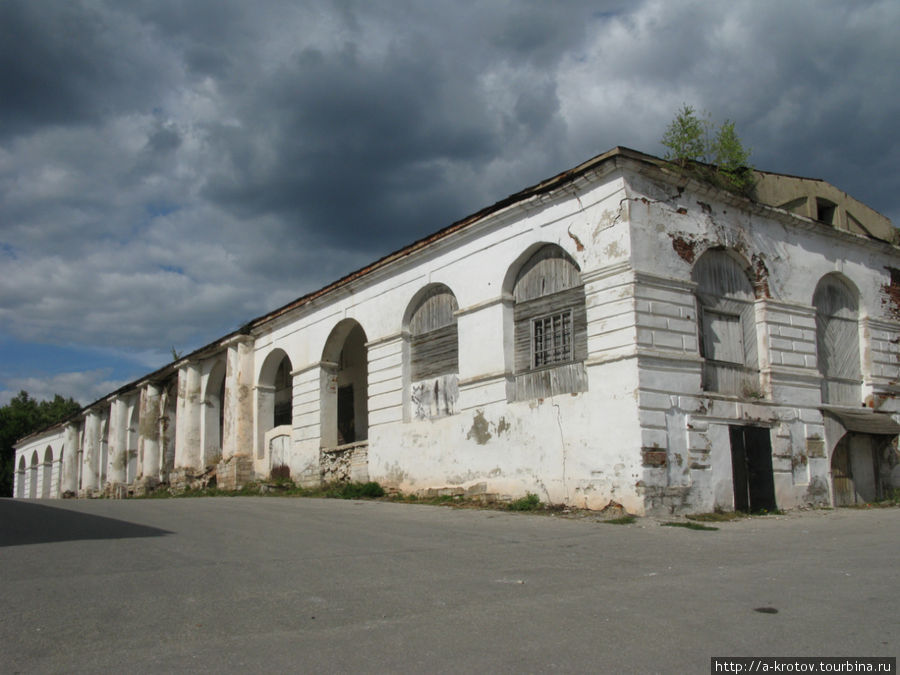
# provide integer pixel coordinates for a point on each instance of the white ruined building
(621, 331)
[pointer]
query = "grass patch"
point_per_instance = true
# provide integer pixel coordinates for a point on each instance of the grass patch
(280, 487)
(622, 520)
(690, 526)
(370, 490)
(530, 502)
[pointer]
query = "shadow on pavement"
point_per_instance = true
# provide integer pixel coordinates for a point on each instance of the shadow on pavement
(23, 522)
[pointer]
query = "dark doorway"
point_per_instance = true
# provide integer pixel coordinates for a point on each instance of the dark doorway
(346, 423)
(854, 470)
(751, 469)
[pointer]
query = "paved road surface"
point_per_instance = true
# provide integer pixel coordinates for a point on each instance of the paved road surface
(306, 585)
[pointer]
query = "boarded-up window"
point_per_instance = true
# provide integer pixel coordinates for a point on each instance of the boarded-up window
(550, 326)
(837, 341)
(727, 325)
(434, 340)
(723, 337)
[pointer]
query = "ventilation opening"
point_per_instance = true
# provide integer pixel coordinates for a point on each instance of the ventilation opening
(826, 211)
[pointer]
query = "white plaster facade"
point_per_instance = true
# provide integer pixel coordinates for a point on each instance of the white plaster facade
(324, 385)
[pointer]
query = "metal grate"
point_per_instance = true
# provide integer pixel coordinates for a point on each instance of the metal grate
(552, 339)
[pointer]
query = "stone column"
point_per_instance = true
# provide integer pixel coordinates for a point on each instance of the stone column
(90, 471)
(148, 434)
(70, 460)
(236, 466)
(118, 441)
(188, 452)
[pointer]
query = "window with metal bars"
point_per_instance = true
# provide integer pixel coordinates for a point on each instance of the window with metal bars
(551, 339)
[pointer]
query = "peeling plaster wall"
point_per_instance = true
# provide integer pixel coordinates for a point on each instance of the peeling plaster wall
(685, 436)
(645, 434)
(576, 449)
(525, 448)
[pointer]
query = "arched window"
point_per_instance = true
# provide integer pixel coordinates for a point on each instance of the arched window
(33, 477)
(47, 473)
(214, 415)
(550, 326)
(727, 325)
(274, 396)
(284, 386)
(837, 341)
(344, 404)
(433, 353)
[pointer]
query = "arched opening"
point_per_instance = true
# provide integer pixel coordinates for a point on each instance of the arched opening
(214, 413)
(837, 340)
(20, 478)
(47, 473)
(433, 352)
(33, 477)
(131, 453)
(345, 394)
(274, 391)
(550, 325)
(728, 343)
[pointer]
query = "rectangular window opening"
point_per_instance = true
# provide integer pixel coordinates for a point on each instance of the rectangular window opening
(551, 339)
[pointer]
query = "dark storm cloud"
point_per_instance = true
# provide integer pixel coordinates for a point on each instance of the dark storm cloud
(171, 169)
(73, 62)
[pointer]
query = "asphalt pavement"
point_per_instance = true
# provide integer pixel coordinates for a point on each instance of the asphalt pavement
(318, 586)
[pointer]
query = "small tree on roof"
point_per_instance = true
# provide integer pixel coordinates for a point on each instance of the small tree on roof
(685, 138)
(731, 158)
(688, 139)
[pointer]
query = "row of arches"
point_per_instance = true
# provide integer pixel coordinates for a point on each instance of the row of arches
(547, 321)
(548, 325)
(36, 480)
(727, 329)
(344, 390)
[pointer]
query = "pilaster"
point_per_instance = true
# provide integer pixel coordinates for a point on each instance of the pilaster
(70, 460)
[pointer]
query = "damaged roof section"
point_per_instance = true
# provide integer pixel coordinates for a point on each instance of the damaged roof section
(823, 202)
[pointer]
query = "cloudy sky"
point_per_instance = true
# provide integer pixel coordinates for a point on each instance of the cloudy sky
(171, 169)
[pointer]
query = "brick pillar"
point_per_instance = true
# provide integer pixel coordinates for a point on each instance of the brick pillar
(236, 467)
(118, 441)
(148, 435)
(70, 459)
(90, 472)
(188, 452)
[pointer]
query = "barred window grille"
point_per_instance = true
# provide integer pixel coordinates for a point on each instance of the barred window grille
(552, 339)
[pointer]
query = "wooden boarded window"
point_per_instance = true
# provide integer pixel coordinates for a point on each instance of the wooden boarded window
(837, 341)
(727, 325)
(433, 335)
(550, 326)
